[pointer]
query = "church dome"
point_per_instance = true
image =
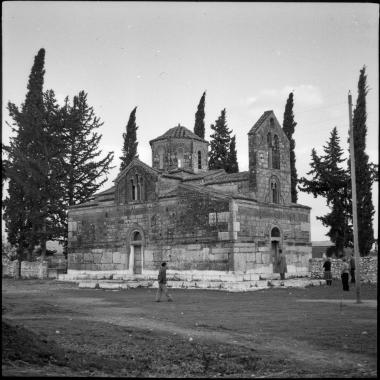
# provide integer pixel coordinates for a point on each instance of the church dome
(179, 132)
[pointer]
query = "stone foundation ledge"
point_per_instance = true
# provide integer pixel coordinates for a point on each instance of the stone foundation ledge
(236, 286)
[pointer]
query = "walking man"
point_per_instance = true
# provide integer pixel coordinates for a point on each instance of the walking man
(327, 268)
(282, 268)
(162, 284)
(352, 268)
(344, 275)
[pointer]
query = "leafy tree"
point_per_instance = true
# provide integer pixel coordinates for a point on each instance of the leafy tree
(220, 143)
(199, 126)
(83, 172)
(130, 141)
(330, 181)
(288, 127)
(233, 166)
(365, 172)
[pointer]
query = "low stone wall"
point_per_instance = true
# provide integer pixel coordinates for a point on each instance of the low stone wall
(29, 269)
(34, 269)
(10, 268)
(368, 268)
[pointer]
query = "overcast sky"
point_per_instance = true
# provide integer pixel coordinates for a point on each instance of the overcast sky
(162, 56)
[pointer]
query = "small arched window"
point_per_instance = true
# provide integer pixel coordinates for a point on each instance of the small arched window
(271, 122)
(199, 159)
(133, 189)
(275, 232)
(274, 188)
(275, 153)
(136, 236)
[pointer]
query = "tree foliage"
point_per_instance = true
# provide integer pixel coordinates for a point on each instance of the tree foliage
(330, 180)
(233, 166)
(288, 127)
(199, 126)
(220, 143)
(50, 163)
(130, 141)
(366, 173)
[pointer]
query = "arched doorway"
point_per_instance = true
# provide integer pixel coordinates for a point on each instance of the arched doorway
(275, 237)
(136, 254)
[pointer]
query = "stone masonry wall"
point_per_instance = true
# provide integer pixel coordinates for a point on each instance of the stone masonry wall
(253, 249)
(368, 268)
(190, 231)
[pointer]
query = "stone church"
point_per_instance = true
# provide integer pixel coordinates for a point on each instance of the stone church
(197, 220)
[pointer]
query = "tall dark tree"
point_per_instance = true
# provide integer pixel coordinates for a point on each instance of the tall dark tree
(24, 210)
(199, 126)
(233, 166)
(85, 172)
(130, 141)
(288, 127)
(364, 170)
(220, 143)
(330, 180)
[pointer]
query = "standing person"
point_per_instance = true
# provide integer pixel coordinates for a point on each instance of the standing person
(327, 274)
(344, 274)
(162, 284)
(282, 268)
(352, 268)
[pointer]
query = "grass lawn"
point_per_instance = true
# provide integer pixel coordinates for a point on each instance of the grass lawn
(56, 328)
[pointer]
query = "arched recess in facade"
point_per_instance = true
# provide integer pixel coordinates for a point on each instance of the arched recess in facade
(275, 243)
(135, 242)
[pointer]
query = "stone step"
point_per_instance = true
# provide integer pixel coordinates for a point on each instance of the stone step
(231, 286)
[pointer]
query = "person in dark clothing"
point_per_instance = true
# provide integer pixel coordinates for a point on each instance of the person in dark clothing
(352, 268)
(327, 274)
(282, 267)
(162, 284)
(344, 275)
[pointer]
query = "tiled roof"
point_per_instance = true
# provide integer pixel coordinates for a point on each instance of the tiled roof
(179, 132)
(105, 192)
(203, 175)
(232, 177)
(261, 120)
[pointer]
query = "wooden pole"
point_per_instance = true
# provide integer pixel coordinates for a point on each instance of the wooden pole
(354, 203)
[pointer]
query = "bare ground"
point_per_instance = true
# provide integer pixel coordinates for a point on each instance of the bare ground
(53, 328)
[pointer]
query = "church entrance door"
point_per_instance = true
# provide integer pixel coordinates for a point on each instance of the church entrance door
(137, 265)
(275, 256)
(136, 258)
(275, 247)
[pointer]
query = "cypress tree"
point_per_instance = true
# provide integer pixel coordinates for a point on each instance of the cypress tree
(130, 141)
(288, 127)
(233, 166)
(219, 145)
(364, 170)
(199, 126)
(22, 207)
(330, 181)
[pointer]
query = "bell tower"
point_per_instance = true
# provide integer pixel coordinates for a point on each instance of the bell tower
(269, 160)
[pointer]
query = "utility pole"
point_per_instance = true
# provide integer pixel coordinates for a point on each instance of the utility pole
(354, 206)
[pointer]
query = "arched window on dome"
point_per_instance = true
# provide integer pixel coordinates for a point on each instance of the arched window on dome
(199, 159)
(161, 153)
(180, 157)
